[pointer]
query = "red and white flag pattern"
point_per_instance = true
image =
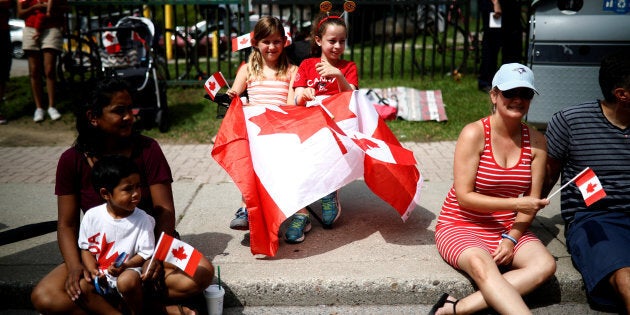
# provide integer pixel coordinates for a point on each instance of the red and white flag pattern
(178, 253)
(285, 158)
(110, 41)
(245, 40)
(214, 83)
(590, 187)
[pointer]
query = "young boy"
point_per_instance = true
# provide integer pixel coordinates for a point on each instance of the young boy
(116, 237)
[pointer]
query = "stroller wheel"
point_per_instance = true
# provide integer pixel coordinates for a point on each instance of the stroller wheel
(161, 119)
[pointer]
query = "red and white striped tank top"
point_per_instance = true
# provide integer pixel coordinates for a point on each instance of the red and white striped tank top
(491, 180)
(268, 92)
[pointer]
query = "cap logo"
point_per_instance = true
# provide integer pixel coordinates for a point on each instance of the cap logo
(520, 70)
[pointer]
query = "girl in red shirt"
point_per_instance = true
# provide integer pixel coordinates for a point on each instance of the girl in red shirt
(325, 75)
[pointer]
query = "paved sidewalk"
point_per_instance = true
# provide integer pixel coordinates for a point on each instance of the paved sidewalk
(370, 258)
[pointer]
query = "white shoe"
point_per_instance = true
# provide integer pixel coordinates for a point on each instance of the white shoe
(39, 115)
(53, 113)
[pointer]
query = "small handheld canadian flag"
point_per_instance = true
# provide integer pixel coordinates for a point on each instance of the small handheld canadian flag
(178, 253)
(110, 41)
(214, 83)
(589, 186)
(242, 42)
(245, 40)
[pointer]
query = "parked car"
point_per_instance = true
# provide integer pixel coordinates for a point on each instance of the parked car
(196, 37)
(16, 26)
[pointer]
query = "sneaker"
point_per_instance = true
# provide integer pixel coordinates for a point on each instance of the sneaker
(300, 224)
(39, 115)
(331, 209)
(3, 120)
(240, 222)
(53, 113)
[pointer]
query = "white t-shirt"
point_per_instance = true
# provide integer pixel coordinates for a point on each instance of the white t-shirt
(106, 237)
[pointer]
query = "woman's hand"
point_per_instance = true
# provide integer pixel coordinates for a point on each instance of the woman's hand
(155, 270)
(504, 254)
(73, 289)
(530, 205)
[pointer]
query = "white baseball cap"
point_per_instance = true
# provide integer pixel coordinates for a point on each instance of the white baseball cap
(514, 75)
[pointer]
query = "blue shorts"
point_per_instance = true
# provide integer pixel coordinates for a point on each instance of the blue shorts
(598, 243)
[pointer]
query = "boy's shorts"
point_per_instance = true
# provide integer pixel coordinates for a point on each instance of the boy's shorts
(49, 38)
(112, 282)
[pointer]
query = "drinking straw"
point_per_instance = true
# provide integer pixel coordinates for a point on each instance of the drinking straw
(219, 275)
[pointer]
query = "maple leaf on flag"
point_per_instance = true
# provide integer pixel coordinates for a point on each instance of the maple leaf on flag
(590, 186)
(179, 253)
(365, 144)
(214, 83)
(244, 41)
(297, 120)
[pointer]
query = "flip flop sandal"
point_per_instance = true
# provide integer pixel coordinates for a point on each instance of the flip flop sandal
(441, 302)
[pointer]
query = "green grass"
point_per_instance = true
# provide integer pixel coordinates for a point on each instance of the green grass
(193, 118)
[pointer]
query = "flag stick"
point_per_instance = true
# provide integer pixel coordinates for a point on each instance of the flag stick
(326, 110)
(153, 256)
(569, 182)
(226, 82)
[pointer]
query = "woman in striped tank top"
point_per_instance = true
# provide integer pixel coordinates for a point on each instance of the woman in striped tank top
(266, 77)
(499, 168)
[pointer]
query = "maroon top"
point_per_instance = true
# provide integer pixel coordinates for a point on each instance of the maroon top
(74, 174)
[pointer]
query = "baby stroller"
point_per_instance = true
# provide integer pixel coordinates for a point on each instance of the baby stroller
(126, 51)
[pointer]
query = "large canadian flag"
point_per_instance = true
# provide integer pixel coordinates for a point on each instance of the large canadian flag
(589, 186)
(285, 158)
(178, 253)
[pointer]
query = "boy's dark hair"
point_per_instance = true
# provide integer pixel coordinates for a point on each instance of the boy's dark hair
(614, 72)
(109, 170)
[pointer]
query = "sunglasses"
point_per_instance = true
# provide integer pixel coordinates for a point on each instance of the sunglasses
(522, 93)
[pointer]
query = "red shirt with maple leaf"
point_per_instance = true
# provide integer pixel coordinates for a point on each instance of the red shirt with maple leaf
(307, 76)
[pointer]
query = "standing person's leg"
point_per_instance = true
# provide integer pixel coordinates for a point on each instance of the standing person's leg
(50, 59)
(490, 46)
(35, 70)
(52, 45)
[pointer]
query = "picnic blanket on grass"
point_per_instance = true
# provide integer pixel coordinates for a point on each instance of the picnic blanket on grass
(410, 104)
